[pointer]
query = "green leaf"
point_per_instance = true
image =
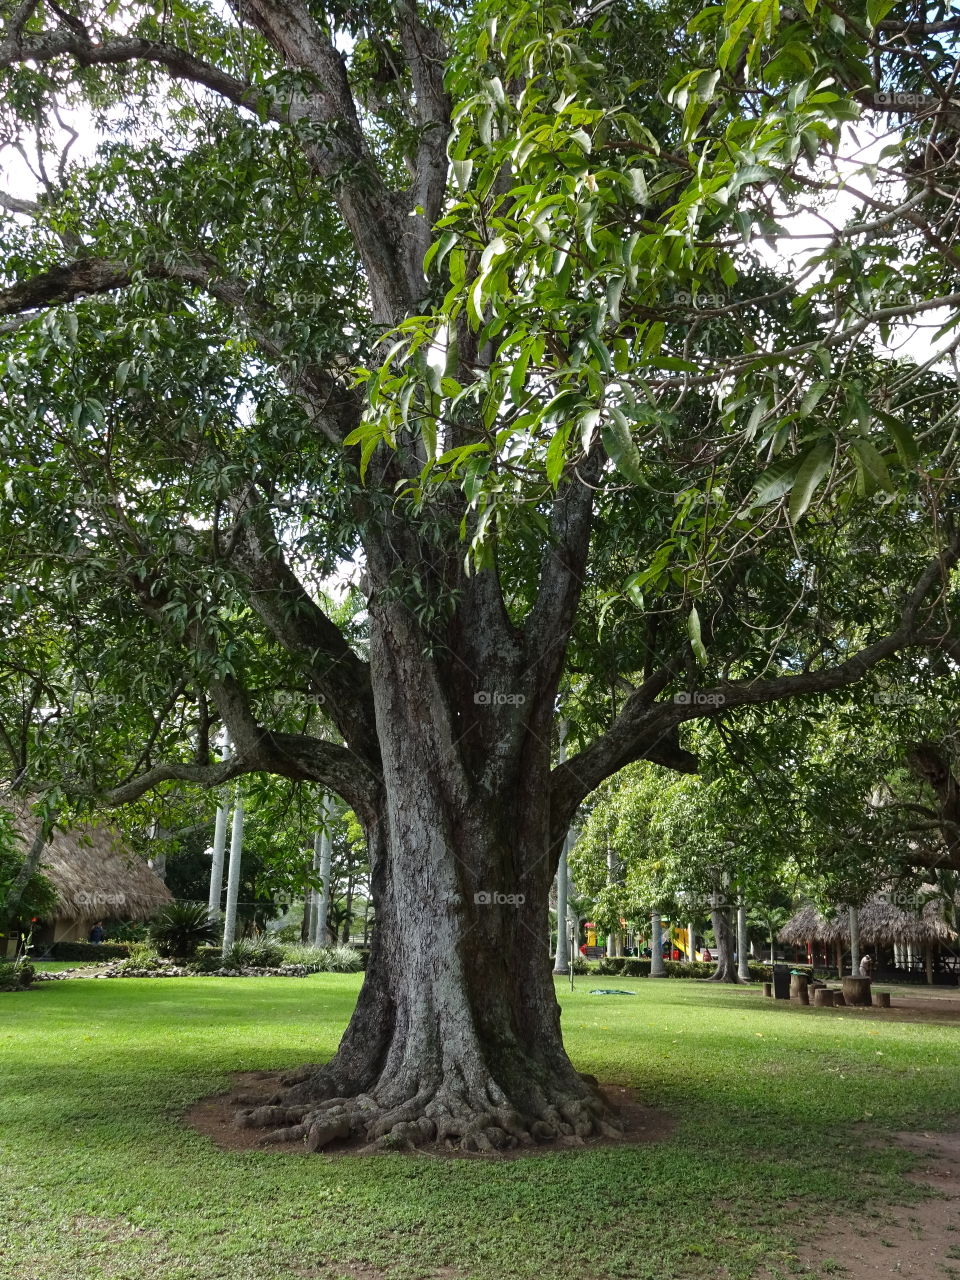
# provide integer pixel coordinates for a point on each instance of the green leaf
(462, 169)
(775, 481)
(812, 398)
(815, 465)
(877, 10)
(557, 455)
(902, 438)
(638, 186)
(621, 447)
(588, 427)
(872, 472)
(693, 631)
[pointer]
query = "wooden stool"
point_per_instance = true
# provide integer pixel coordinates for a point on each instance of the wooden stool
(881, 999)
(822, 998)
(768, 989)
(856, 991)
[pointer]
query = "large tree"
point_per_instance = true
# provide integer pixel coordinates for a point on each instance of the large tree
(538, 472)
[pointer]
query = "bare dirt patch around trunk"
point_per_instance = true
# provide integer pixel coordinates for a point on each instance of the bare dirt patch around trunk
(214, 1117)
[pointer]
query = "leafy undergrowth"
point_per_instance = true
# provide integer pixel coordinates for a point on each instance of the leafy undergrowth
(778, 1110)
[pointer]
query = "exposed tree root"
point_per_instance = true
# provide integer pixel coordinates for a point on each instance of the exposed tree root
(449, 1114)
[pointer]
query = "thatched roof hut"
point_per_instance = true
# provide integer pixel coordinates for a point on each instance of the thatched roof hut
(882, 922)
(96, 877)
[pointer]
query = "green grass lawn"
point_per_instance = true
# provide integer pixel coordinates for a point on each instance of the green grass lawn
(775, 1107)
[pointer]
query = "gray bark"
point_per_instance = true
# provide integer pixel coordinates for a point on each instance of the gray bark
(726, 970)
(456, 1034)
(233, 876)
(743, 959)
(562, 957)
(657, 969)
(561, 962)
(854, 916)
(216, 864)
(321, 931)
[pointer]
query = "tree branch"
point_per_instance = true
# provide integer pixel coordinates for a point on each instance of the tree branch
(336, 408)
(301, 626)
(549, 622)
(426, 57)
(79, 45)
(287, 755)
(645, 727)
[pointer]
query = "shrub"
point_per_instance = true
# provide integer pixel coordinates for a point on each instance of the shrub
(612, 964)
(339, 959)
(695, 969)
(15, 974)
(253, 953)
(142, 956)
(89, 951)
(181, 928)
(636, 967)
(342, 959)
(207, 960)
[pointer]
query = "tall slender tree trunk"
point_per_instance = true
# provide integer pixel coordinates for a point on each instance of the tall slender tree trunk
(743, 958)
(854, 918)
(320, 935)
(348, 917)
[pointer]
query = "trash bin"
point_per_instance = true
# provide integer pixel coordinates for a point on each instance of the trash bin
(781, 982)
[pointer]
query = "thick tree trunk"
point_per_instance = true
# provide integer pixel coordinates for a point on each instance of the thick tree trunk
(726, 970)
(456, 1034)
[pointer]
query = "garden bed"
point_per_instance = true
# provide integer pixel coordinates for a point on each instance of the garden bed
(169, 969)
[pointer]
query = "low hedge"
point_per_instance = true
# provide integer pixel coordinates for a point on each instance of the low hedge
(95, 951)
(637, 967)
